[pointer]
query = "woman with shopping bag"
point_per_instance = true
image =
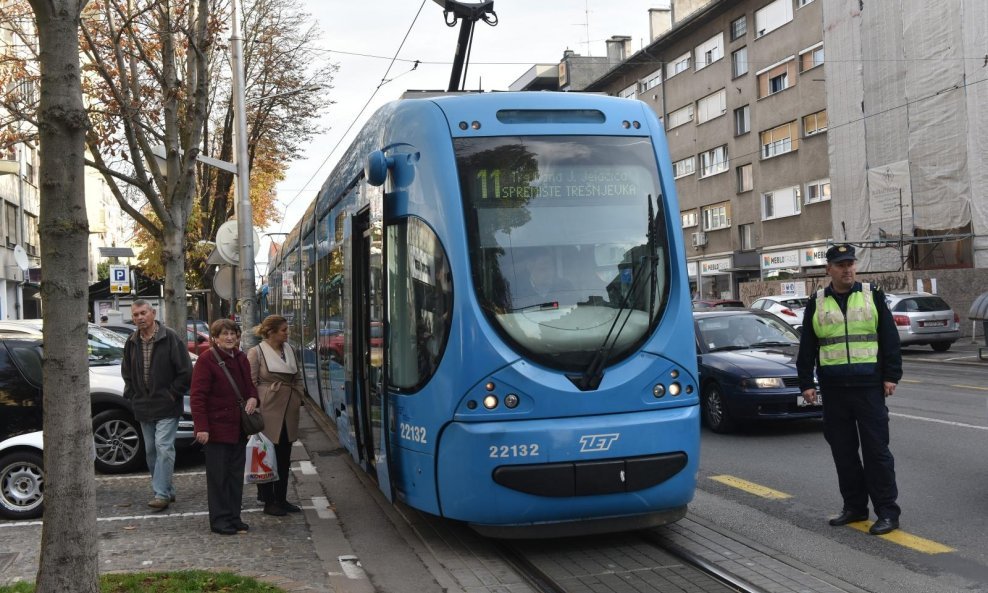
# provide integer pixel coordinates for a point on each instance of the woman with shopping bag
(221, 387)
(277, 375)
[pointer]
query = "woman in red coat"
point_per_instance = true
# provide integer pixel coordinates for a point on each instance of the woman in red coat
(216, 414)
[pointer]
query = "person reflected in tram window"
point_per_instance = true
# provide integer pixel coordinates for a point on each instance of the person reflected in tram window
(850, 338)
(277, 374)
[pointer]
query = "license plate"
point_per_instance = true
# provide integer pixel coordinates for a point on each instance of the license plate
(942, 323)
(802, 403)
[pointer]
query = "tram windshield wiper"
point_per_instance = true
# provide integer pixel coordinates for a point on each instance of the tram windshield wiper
(590, 378)
(546, 306)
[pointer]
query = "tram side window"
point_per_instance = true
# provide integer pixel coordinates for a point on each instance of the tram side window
(420, 304)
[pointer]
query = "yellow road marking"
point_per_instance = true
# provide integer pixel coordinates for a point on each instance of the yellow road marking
(905, 539)
(971, 387)
(909, 381)
(751, 487)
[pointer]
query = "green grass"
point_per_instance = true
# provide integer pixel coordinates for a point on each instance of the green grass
(190, 581)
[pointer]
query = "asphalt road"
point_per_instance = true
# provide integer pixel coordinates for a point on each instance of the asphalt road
(939, 428)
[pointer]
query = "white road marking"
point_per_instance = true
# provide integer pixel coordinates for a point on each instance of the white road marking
(143, 476)
(307, 468)
(161, 516)
(937, 421)
(352, 568)
(322, 508)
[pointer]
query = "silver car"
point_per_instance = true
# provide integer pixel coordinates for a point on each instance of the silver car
(923, 318)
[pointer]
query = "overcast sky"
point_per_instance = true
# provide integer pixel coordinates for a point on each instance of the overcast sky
(528, 32)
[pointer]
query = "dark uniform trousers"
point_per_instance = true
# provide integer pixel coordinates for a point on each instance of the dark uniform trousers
(225, 483)
(854, 416)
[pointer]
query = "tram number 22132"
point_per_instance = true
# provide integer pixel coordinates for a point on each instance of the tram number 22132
(504, 451)
(413, 433)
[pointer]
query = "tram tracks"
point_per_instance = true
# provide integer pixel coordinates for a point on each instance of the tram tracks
(641, 561)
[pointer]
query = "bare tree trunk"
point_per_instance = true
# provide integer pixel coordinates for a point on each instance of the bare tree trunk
(69, 550)
(173, 252)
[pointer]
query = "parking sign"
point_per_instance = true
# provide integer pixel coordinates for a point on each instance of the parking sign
(119, 280)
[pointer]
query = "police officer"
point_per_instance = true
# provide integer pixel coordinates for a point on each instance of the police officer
(850, 337)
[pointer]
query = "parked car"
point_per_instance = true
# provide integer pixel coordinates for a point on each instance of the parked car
(923, 318)
(197, 336)
(789, 309)
(124, 328)
(747, 364)
(22, 476)
(716, 303)
(119, 442)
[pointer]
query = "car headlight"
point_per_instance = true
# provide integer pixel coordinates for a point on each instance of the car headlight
(762, 383)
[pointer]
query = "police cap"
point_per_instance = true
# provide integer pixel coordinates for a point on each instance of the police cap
(840, 253)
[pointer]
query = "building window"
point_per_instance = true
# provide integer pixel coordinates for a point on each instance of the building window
(10, 218)
(739, 27)
(777, 78)
(779, 140)
(745, 179)
(713, 161)
(802, 3)
(746, 233)
(690, 219)
(772, 17)
(815, 123)
(716, 217)
(680, 64)
(780, 203)
(739, 62)
(742, 120)
(680, 116)
(31, 241)
(818, 191)
(811, 57)
(630, 92)
(711, 106)
(652, 80)
(684, 167)
(710, 51)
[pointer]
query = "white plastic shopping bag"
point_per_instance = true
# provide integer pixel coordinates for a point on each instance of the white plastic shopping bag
(260, 465)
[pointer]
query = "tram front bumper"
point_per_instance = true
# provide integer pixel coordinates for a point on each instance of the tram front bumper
(564, 469)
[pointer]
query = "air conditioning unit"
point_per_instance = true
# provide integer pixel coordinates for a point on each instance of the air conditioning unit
(699, 239)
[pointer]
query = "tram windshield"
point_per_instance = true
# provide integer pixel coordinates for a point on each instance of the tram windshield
(568, 257)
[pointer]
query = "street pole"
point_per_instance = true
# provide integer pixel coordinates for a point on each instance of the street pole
(245, 226)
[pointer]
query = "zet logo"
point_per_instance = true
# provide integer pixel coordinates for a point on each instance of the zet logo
(591, 443)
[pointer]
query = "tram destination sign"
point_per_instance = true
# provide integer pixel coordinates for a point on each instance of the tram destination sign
(505, 187)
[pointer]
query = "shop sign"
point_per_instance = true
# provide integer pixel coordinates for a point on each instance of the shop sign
(780, 259)
(714, 266)
(815, 256)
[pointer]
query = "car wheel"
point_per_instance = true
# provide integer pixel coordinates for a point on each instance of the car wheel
(940, 346)
(22, 485)
(119, 446)
(714, 411)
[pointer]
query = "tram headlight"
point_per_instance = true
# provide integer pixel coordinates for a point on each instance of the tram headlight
(659, 390)
(490, 401)
(511, 400)
(675, 389)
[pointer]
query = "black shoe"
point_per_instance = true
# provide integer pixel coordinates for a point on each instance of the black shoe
(224, 530)
(273, 508)
(884, 525)
(847, 516)
(289, 507)
(241, 526)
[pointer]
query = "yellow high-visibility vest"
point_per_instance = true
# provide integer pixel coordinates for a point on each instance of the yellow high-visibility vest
(847, 341)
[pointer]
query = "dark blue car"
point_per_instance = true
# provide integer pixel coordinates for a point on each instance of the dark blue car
(747, 363)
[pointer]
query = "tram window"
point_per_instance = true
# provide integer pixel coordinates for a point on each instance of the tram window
(420, 304)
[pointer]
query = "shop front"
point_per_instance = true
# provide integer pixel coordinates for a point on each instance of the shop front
(715, 281)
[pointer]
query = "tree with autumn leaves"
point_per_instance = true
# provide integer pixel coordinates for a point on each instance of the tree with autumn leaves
(156, 79)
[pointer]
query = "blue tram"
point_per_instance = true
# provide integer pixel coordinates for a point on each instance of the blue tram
(491, 297)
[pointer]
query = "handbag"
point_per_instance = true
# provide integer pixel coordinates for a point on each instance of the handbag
(249, 423)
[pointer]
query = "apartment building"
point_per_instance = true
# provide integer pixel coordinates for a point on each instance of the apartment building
(740, 88)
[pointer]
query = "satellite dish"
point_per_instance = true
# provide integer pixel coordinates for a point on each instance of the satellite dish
(227, 243)
(20, 256)
(223, 282)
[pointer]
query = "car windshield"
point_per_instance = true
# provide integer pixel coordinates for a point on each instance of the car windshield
(105, 347)
(559, 242)
(921, 305)
(741, 332)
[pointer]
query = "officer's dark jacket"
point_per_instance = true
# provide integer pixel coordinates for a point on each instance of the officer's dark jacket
(171, 373)
(889, 367)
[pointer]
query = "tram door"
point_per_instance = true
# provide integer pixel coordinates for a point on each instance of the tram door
(368, 343)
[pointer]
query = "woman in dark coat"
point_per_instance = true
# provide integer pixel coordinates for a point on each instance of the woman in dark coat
(216, 415)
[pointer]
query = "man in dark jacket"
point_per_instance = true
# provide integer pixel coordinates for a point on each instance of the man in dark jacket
(156, 371)
(850, 337)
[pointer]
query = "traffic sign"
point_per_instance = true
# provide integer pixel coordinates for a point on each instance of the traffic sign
(119, 280)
